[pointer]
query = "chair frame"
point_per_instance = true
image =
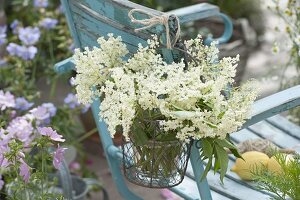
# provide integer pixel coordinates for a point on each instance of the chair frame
(261, 110)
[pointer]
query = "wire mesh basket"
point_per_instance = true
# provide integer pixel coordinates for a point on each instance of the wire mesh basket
(156, 164)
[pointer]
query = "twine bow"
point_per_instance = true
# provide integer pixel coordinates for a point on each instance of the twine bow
(154, 20)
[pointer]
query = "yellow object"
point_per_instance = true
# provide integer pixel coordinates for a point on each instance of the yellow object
(253, 160)
(274, 166)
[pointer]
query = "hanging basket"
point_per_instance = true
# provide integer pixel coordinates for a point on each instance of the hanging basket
(156, 164)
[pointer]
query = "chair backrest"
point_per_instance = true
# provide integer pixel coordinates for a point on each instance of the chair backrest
(90, 19)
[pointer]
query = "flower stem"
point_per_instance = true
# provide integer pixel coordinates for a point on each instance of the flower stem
(42, 154)
(87, 134)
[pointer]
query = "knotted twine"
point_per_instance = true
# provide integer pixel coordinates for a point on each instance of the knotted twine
(156, 20)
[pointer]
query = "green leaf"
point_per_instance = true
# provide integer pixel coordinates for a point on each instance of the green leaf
(216, 165)
(138, 134)
(225, 143)
(222, 157)
(221, 115)
(211, 125)
(207, 168)
(177, 107)
(236, 153)
(207, 147)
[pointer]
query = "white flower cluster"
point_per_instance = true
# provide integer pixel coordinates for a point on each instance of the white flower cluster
(93, 66)
(196, 100)
(118, 106)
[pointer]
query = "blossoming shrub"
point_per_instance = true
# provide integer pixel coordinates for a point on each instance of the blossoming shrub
(192, 100)
(27, 148)
(32, 43)
(25, 129)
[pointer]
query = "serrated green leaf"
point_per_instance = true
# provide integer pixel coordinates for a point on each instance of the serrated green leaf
(216, 165)
(223, 160)
(207, 168)
(236, 153)
(225, 143)
(207, 147)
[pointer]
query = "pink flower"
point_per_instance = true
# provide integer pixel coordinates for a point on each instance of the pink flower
(74, 166)
(21, 128)
(24, 171)
(89, 162)
(3, 161)
(52, 134)
(58, 156)
(3, 148)
(7, 100)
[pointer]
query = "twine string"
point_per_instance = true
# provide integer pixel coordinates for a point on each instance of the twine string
(155, 20)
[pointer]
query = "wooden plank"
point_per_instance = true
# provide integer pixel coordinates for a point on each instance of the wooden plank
(274, 104)
(243, 135)
(99, 16)
(233, 176)
(268, 131)
(94, 28)
(68, 14)
(115, 12)
(64, 66)
(231, 189)
(275, 135)
(195, 12)
(285, 125)
(188, 190)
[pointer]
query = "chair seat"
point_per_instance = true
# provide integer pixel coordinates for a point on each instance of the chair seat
(277, 129)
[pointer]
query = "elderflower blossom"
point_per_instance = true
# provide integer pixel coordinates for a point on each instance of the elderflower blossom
(93, 66)
(118, 106)
(196, 101)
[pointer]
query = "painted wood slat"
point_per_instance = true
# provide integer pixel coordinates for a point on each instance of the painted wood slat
(68, 13)
(266, 130)
(275, 135)
(115, 13)
(233, 178)
(195, 12)
(243, 135)
(64, 66)
(285, 125)
(231, 189)
(274, 104)
(117, 9)
(188, 190)
(94, 28)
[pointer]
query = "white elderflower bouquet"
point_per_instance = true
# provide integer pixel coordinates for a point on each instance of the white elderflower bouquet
(150, 99)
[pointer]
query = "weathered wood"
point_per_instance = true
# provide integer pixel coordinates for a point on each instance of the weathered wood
(90, 19)
(195, 12)
(285, 125)
(232, 181)
(64, 66)
(230, 189)
(274, 104)
(188, 190)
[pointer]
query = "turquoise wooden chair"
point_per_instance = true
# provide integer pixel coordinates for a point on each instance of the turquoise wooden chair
(90, 19)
